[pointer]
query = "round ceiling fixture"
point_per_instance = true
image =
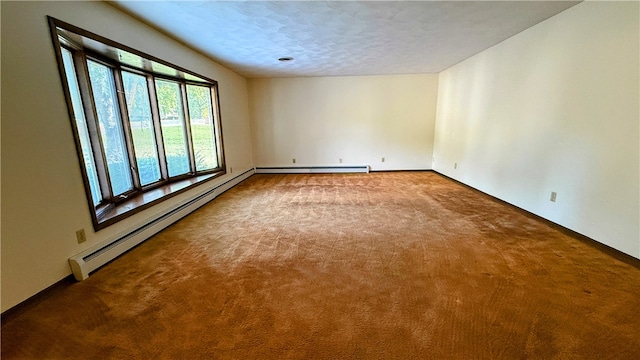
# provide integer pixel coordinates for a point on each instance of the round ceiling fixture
(287, 58)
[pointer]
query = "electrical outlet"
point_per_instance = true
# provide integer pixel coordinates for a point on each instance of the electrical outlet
(382, 159)
(81, 236)
(553, 196)
(340, 161)
(455, 165)
(294, 160)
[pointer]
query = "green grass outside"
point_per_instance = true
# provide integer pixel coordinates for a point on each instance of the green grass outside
(175, 144)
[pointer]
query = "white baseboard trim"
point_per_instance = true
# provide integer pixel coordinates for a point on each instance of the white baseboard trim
(313, 169)
(93, 258)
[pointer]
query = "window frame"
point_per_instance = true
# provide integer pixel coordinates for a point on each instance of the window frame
(114, 208)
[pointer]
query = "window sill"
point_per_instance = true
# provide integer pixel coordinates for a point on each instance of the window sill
(123, 210)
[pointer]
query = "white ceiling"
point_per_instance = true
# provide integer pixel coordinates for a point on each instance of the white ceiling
(328, 38)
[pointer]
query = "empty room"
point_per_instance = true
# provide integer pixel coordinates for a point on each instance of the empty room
(320, 179)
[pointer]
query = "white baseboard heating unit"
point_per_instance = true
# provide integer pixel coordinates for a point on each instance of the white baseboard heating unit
(313, 169)
(93, 258)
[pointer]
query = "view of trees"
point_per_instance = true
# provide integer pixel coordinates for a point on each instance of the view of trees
(105, 99)
(142, 130)
(199, 99)
(140, 127)
(170, 107)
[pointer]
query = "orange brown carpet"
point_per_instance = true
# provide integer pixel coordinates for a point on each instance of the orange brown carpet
(403, 265)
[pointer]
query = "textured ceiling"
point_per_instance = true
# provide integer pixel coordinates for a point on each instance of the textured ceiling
(341, 37)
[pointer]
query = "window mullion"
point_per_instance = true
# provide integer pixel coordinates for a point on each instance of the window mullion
(155, 112)
(187, 127)
(92, 126)
(126, 129)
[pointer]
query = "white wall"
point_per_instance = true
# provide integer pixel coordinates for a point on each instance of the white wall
(359, 119)
(43, 198)
(554, 108)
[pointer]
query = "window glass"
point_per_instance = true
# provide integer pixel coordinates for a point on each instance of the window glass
(81, 125)
(172, 124)
(116, 155)
(141, 124)
(146, 130)
(201, 122)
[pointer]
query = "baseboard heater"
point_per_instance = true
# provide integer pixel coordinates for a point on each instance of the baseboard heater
(90, 260)
(313, 169)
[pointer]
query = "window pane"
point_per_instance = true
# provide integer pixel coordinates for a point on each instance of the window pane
(81, 124)
(104, 94)
(201, 120)
(141, 123)
(172, 122)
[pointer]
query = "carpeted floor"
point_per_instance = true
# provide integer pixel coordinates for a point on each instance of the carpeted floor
(406, 265)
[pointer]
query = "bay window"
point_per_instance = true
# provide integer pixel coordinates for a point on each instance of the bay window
(145, 129)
